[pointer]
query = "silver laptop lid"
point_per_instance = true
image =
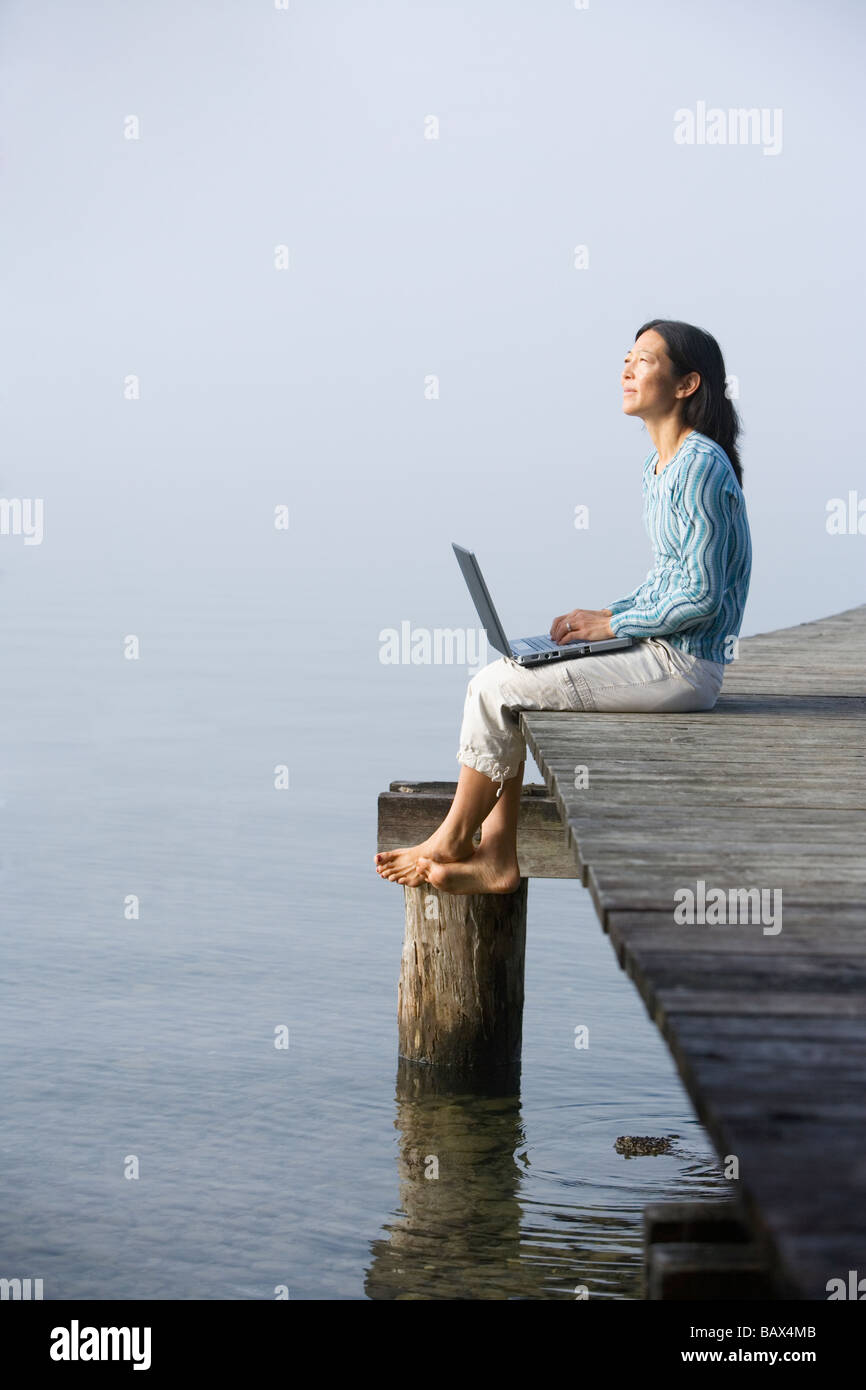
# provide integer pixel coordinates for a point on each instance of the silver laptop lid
(482, 600)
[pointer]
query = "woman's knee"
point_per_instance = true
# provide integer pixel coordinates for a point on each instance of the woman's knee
(490, 678)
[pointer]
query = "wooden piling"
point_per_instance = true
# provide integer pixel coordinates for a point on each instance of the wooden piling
(460, 998)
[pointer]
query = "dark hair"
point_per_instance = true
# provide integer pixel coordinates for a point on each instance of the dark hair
(708, 410)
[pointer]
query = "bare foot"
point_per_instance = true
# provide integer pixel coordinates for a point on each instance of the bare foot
(400, 865)
(489, 870)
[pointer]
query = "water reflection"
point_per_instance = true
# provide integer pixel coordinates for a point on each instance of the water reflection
(459, 1173)
(462, 1157)
(470, 1224)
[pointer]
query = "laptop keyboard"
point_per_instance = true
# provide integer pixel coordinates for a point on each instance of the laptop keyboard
(537, 644)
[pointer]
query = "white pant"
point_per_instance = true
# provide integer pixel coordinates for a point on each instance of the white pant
(651, 676)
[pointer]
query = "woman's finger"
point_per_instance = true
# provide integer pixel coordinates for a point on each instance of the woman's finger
(564, 631)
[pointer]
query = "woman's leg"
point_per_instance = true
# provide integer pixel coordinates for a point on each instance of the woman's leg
(492, 750)
(492, 867)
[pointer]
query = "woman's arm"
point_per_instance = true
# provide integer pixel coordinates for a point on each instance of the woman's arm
(695, 586)
(620, 605)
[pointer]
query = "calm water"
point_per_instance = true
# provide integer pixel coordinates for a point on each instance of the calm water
(153, 1038)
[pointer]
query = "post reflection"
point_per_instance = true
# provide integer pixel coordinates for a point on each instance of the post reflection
(459, 1162)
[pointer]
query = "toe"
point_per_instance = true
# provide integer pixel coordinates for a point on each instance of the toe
(432, 872)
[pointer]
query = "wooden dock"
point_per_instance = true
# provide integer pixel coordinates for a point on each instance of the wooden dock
(767, 1027)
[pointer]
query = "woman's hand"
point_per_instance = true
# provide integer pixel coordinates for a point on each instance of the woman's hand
(582, 625)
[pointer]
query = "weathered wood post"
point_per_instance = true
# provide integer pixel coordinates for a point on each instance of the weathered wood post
(460, 997)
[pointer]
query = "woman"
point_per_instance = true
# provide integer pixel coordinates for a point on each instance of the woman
(687, 614)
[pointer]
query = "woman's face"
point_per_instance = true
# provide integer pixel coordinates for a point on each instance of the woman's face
(648, 386)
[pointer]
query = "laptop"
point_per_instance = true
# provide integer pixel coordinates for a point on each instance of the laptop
(526, 651)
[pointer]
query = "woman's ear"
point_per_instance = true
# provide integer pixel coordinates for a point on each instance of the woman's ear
(689, 384)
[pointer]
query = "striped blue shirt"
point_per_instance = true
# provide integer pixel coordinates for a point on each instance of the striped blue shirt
(695, 516)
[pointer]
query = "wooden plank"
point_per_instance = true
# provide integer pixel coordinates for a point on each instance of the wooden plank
(828, 929)
(718, 1222)
(605, 848)
(708, 1273)
(774, 972)
(659, 827)
(799, 1005)
(654, 890)
(836, 1032)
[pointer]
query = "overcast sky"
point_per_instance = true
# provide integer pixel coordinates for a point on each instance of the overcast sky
(156, 258)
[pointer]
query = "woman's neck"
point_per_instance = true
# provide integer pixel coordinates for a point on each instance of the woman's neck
(667, 436)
